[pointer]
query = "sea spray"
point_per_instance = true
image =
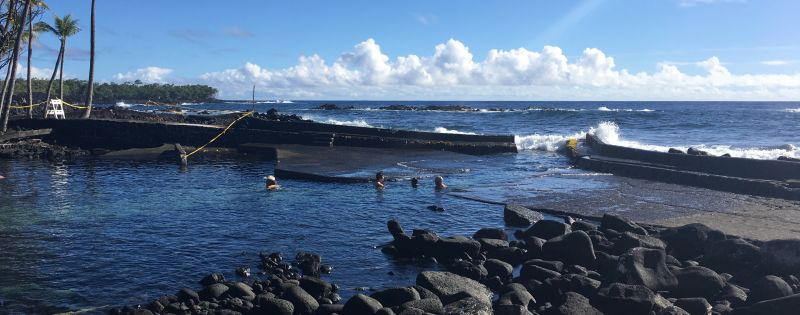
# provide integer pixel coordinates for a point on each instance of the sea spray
(453, 131)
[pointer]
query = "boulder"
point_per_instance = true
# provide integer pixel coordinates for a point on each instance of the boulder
(768, 288)
(212, 278)
(328, 309)
(468, 269)
(430, 305)
(186, 295)
(646, 267)
(510, 309)
(468, 306)
(619, 298)
(511, 255)
(781, 256)
(620, 224)
(447, 285)
(456, 247)
(422, 244)
(698, 281)
(498, 268)
(676, 151)
(316, 286)
(361, 305)
(492, 233)
(536, 272)
(517, 297)
(571, 248)
(688, 241)
(583, 226)
(309, 263)
(547, 229)
(491, 245)
(277, 306)
(630, 240)
(732, 256)
(214, 290)
(534, 246)
(242, 291)
(733, 294)
(520, 216)
(573, 304)
(394, 228)
(385, 311)
(395, 296)
(303, 302)
(694, 151)
(672, 310)
(549, 264)
(694, 306)
(577, 283)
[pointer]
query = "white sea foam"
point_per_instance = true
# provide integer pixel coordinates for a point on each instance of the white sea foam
(609, 132)
(122, 104)
(606, 109)
(792, 110)
(445, 130)
(355, 122)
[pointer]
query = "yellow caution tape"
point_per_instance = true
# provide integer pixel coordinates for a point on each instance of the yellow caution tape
(29, 106)
(74, 106)
(219, 135)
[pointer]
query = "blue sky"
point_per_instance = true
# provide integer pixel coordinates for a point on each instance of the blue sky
(656, 49)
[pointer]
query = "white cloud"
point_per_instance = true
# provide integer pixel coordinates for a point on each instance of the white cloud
(776, 62)
(451, 72)
(147, 75)
(36, 73)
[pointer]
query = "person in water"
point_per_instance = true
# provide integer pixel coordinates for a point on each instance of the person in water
(380, 180)
(272, 184)
(439, 181)
(414, 182)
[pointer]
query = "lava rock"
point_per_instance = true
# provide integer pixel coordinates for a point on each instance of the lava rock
(583, 226)
(395, 229)
(733, 294)
(468, 269)
(186, 295)
(694, 306)
(446, 285)
(212, 278)
(511, 255)
(630, 240)
(468, 306)
(534, 246)
(535, 272)
(395, 296)
(620, 224)
(242, 291)
(694, 151)
(547, 229)
(517, 297)
(646, 267)
(316, 286)
(498, 268)
(571, 248)
(430, 305)
(676, 151)
(510, 309)
(309, 263)
(490, 244)
(303, 302)
(787, 305)
(781, 256)
(213, 291)
(493, 233)
(520, 216)
(698, 281)
(573, 304)
(385, 311)
(456, 247)
(277, 306)
(688, 241)
(733, 256)
(361, 305)
(620, 298)
(769, 287)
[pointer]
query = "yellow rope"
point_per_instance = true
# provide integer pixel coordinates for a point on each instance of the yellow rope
(219, 135)
(29, 106)
(74, 106)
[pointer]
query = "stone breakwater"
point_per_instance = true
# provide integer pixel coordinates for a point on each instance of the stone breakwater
(545, 267)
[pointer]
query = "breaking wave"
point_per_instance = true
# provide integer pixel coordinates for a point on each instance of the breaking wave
(609, 132)
(445, 130)
(606, 109)
(792, 110)
(355, 122)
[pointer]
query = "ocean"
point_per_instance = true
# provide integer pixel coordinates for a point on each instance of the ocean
(93, 233)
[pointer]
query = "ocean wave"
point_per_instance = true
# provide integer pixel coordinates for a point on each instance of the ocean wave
(792, 110)
(445, 130)
(609, 132)
(123, 104)
(355, 122)
(606, 109)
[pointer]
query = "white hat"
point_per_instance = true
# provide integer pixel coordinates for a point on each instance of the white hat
(272, 178)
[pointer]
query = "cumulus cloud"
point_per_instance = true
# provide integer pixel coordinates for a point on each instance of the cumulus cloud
(451, 72)
(147, 75)
(36, 73)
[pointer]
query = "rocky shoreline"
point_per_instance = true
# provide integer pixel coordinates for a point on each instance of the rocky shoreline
(544, 267)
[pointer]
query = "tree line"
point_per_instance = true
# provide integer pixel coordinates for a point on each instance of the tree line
(74, 91)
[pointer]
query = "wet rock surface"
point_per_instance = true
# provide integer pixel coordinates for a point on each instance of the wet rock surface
(616, 267)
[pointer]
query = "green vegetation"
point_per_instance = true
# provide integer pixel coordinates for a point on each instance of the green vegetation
(110, 93)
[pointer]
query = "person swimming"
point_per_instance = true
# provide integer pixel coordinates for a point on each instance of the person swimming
(380, 180)
(272, 183)
(414, 182)
(439, 181)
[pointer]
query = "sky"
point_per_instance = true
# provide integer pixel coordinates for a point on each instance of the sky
(443, 50)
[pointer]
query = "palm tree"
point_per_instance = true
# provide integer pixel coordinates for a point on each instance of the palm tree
(90, 95)
(13, 63)
(33, 31)
(63, 28)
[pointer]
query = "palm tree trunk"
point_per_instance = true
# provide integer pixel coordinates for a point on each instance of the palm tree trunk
(52, 78)
(30, 52)
(91, 70)
(5, 88)
(15, 58)
(61, 72)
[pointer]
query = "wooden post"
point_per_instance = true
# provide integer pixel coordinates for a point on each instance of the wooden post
(182, 154)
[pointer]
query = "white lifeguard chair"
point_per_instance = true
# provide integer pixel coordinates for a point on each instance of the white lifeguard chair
(55, 108)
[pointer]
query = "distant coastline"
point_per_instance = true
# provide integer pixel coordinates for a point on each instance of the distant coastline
(111, 93)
